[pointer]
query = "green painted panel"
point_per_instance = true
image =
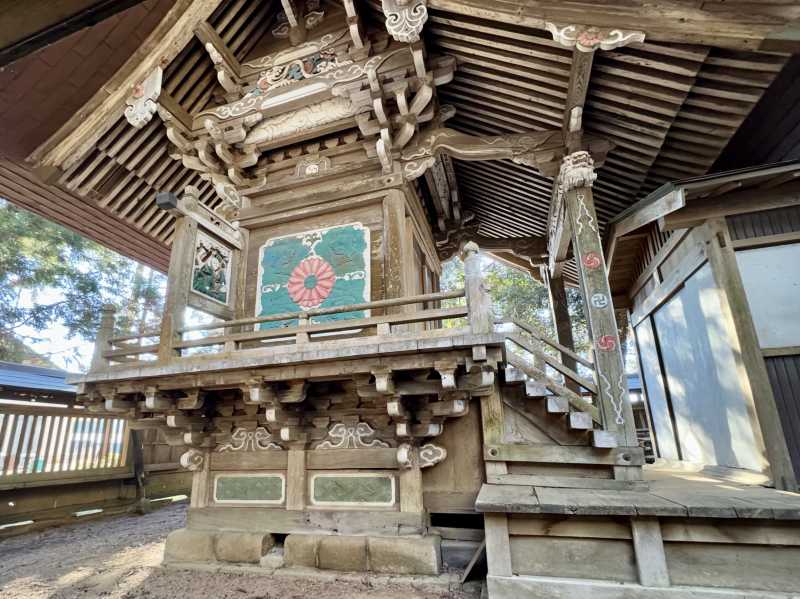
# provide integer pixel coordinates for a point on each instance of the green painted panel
(249, 488)
(353, 489)
(324, 268)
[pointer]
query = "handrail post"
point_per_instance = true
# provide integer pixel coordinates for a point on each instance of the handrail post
(104, 333)
(479, 302)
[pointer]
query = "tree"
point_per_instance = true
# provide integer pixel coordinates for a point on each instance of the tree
(50, 275)
(517, 295)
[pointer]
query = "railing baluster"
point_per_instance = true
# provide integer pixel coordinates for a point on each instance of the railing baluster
(10, 424)
(22, 446)
(41, 453)
(102, 462)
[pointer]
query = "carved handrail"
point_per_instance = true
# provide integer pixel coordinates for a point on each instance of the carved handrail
(551, 342)
(551, 385)
(387, 303)
(554, 363)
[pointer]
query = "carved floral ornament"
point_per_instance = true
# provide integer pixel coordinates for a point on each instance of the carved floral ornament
(588, 39)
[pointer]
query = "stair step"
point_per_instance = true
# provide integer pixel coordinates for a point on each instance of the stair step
(535, 389)
(514, 375)
(557, 405)
(580, 421)
(604, 439)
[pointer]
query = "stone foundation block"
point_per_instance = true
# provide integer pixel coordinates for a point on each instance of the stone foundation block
(301, 550)
(189, 546)
(345, 554)
(405, 555)
(243, 547)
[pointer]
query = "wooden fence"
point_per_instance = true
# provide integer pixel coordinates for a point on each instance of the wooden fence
(59, 463)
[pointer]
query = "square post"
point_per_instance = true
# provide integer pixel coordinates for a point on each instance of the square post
(575, 180)
(479, 303)
(104, 333)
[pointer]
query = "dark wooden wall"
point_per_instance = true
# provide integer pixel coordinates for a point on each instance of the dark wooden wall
(784, 374)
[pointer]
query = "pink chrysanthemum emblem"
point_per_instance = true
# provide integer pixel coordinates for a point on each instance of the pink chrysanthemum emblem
(311, 282)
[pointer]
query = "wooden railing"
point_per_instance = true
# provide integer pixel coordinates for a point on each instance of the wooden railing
(131, 347)
(536, 361)
(40, 443)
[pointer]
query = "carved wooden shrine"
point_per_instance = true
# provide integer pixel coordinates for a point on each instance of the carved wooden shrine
(334, 402)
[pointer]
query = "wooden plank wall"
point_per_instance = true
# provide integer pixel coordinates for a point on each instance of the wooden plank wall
(784, 375)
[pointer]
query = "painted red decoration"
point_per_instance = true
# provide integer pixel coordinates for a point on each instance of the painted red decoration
(591, 260)
(311, 282)
(607, 343)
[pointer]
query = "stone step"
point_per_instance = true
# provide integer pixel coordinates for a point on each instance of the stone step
(557, 405)
(580, 421)
(604, 439)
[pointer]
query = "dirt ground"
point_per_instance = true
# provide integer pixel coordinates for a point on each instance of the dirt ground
(118, 558)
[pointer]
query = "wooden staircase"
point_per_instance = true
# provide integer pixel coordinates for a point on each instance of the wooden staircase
(561, 409)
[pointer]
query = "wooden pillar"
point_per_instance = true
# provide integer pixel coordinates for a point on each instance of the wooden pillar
(178, 282)
(410, 480)
(479, 303)
(559, 311)
(104, 333)
(394, 246)
(576, 179)
(296, 479)
(753, 379)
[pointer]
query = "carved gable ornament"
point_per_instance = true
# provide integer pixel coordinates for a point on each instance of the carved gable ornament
(142, 103)
(589, 39)
(405, 18)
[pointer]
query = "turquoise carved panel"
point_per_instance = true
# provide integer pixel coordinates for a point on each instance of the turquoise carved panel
(323, 268)
(249, 488)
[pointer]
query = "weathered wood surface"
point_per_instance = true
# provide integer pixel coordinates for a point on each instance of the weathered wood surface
(672, 496)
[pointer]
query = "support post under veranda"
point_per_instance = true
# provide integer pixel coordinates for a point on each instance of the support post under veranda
(576, 179)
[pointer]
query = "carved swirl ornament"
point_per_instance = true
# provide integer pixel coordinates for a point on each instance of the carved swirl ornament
(249, 440)
(404, 20)
(589, 39)
(341, 436)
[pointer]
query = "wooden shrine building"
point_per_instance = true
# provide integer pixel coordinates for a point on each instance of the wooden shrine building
(301, 169)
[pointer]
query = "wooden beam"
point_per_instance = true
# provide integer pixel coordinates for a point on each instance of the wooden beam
(673, 200)
(76, 137)
(740, 202)
(742, 26)
(29, 26)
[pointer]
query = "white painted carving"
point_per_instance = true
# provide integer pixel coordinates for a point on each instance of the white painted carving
(577, 170)
(250, 440)
(405, 455)
(341, 436)
(405, 19)
(430, 455)
(589, 39)
(193, 459)
(312, 166)
(142, 103)
(583, 215)
(302, 119)
(616, 402)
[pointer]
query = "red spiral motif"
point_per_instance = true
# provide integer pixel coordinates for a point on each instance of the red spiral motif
(591, 260)
(311, 282)
(607, 343)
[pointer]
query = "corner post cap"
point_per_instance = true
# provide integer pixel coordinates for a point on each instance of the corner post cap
(111, 308)
(471, 248)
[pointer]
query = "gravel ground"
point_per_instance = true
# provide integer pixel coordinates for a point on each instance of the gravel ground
(119, 558)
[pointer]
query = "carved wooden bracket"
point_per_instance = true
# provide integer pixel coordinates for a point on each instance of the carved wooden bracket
(405, 18)
(588, 39)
